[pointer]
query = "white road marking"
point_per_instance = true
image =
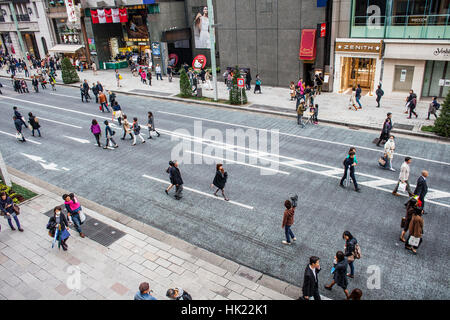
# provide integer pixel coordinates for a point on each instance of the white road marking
(59, 122)
(50, 166)
(78, 139)
(13, 135)
(237, 162)
(377, 183)
(202, 193)
(302, 137)
(65, 95)
(34, 158)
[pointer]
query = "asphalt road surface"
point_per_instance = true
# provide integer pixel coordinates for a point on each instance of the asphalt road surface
(248, 228)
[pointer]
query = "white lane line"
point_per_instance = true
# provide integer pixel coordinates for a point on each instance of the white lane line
(77, 139)
(59, 122)
(238, 162)
(202, 193)
(26, 138)
(64, 95)
(377, 183)
(302, 137)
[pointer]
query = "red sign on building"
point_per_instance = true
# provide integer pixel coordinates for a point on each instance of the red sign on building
(308, 45)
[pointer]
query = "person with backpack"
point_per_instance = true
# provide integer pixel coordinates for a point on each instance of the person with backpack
(379, 93)
(434, 106)
(339, 272)
(73, 208)
(144, 292)
(58, 227)
(178, 294)
(109, 135)
(351, 251)
(169, 171)
(137, 131)
(349, 165)
(257, 84)
(220, 180)
(34, 122)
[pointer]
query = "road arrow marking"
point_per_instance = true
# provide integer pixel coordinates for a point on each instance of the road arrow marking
(50, 166)
(78, 139)
(34, 158)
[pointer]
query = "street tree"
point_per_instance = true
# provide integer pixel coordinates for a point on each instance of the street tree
(185, 85)
(237, 95)
(69, 74)
(442, 123)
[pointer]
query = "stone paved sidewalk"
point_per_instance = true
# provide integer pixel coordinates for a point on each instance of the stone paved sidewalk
(332, 106)
(31, 269)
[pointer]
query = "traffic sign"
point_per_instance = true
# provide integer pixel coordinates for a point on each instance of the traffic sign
(240, 82)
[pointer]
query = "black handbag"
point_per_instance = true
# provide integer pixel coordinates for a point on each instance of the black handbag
(403, 223)
(16, 209)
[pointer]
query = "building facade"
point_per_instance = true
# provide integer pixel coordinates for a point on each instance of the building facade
(32, 24)
(400, 44)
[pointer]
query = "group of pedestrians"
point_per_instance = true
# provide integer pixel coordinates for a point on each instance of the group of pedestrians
(19, 122)
(304, 96)
(145, 293)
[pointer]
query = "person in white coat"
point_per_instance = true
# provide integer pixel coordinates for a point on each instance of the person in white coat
(389, 148)
(404, 177)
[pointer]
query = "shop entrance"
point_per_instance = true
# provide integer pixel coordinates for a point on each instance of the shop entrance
(436, 80)
(357, 71)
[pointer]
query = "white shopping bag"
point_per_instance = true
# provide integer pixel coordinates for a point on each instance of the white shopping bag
(402, 186)
(413, 241)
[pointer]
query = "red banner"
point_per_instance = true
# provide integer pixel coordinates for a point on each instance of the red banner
(123, 15)
(308, 45)
(108, 14)
(94, 16)
(323, 30)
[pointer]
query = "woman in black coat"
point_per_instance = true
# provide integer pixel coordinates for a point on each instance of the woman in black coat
(219, 180)
(34, 122)
(339, 273)
(59, 222)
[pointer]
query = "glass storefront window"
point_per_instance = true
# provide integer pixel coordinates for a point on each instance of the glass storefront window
(436, 72)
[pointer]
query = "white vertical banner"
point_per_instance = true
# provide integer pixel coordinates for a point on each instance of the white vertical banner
(71, 14)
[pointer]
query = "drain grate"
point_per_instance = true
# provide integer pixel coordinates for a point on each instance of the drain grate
(96, 230)
(151, 92)
(403, 126)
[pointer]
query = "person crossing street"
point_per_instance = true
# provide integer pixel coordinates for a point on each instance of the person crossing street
(349, 165)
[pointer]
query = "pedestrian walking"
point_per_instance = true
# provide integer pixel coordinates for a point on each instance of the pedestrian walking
(257, 84)
(34, 123)
(118, 78)
(95, 91)
(208, 81)
(292, 90)
(316, 114)
(358, 95)
(178, 294)
(350, 251)
(412, 107)
(126, 127)
(103, 101)
(96, 131)
(409, 98)
(83, 94)
(35, 84)
(248, 80)
(311, 280)
(386, 131)
(433, 107)
(94, 68)
(137, 131)
(19, 116)
(18, 124)
(109, 133)
(300, 112)
(389, 148)
(74, 212)
(58, 227)
(144, 292)
(288, 221)
(9, 210)
(177, 180)
(352, 101)
(99, 86)
(52, 80)
(339, 272)
(379, 93)
(151, 125)
(356, 294)
(220, 180)
(422, 187)
(24, 87)
(158, 72)
(169, 73)
(169, 171)
(415, 231)
(143, 77)
(403, 178)
(86, 90)
(112, 97)
(412, 205)
(117, 112)
(349, 165)
(149, 76)
(43, 81)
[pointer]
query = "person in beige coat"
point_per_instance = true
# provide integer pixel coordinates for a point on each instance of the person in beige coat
(126, 128)
(404, 177)
(389, 148)
(415, 230)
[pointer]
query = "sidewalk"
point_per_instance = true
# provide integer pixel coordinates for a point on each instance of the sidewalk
(333, 107)
(117, 254)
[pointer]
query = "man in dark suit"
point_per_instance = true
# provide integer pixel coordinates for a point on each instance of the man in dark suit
(422, 187)
(311, 280)
(177, 180)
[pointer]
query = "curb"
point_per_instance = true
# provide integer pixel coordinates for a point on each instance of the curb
(277, 113)
(238, 269)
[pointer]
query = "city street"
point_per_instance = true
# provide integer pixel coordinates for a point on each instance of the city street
(247, 229)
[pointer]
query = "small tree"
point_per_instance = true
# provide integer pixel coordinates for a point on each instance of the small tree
(237, 95)
(442, 123)
(185, 85)
(69, 74)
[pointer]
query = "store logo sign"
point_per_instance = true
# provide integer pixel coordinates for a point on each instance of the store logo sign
(441, 51)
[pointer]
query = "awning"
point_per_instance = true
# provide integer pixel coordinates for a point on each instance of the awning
(308, 45)
(66, 48)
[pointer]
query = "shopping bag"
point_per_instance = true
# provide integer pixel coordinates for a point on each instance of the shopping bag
(19, 136)
(381, 161)
(402, 186)
(82, 216)
(55, 237)
(100, 108)
(413, 241)
(120, 77)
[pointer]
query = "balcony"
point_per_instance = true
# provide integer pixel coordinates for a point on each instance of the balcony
(21, 17)
(403, 27)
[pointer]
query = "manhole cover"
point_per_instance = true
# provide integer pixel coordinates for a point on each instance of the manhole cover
(403, 126)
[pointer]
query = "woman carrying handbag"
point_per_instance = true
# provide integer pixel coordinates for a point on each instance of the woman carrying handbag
(59, 228)
(220, 180)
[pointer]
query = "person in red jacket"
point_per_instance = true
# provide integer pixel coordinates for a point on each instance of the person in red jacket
(288, 221)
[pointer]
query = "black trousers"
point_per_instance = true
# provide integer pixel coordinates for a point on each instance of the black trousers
(352, 175)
